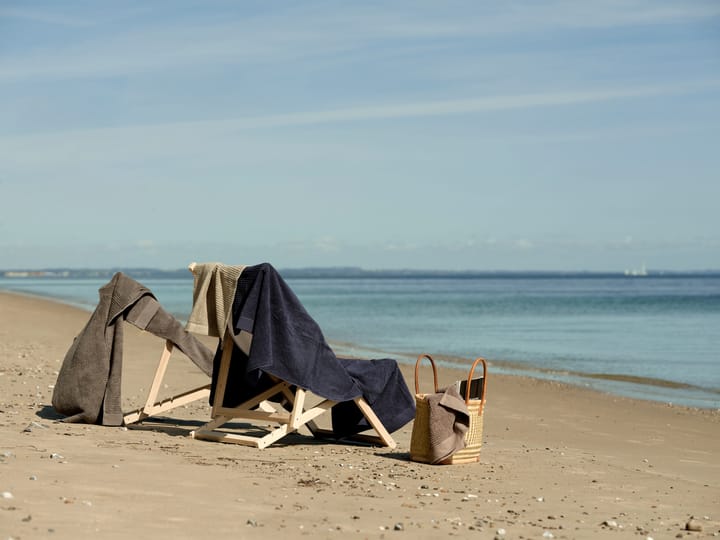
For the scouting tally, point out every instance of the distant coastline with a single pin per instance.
(349, 273)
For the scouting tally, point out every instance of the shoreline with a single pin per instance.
(556, 460)
(625, 385)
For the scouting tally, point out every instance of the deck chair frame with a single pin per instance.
(283, 421)
(154, 407)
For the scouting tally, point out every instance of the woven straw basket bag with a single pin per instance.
(420, 440)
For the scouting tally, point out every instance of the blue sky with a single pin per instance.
(545, 135)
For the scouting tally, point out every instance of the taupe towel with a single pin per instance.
(449, 421)
(88, 384)
(213, 294)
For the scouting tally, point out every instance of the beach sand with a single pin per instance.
(557, 462)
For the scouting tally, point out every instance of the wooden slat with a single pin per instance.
(223, 372)
(167, 404)
(152, 406)
(375, 422)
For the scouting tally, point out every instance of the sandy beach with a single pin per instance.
(557, 462)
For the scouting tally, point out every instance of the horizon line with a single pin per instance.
(339, 270)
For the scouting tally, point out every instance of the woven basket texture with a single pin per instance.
(420, 439)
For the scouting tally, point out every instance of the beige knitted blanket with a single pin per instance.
(213, 294)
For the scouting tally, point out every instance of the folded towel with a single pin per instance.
(213, 293)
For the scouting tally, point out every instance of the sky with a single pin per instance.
(449, 135)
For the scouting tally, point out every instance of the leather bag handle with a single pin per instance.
(435, 375)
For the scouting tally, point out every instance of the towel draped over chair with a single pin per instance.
(286, 343)
(88, 384)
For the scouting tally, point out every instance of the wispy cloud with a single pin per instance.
(475, 105)
(613, 13)
(189, 133)
(310, 31)
(81, 153)
(43, 16)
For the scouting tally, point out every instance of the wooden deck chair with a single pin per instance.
(89, 384)
(297, 396)
(282, 419)
(153, 406)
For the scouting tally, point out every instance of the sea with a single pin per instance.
(648, 337)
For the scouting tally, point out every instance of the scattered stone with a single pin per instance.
(399, 527)
(33, 426)
(7, 495)
(33, 477)
(548, 534)
(26, 519)
(693, 525)
(610, 523)
(251, 523)
(501, 532)
(56, 456)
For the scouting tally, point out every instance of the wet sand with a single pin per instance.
(557, 462)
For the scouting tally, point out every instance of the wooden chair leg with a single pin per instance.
(383, 434)
(223, 370)
(152, 406)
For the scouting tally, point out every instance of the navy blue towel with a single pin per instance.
(288, 344)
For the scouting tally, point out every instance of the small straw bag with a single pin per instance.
(420, 440)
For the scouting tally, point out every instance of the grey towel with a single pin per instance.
(449, 421)
(88, 385)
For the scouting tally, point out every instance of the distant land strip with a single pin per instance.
(344, 272)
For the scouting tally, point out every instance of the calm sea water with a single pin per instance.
(655, 338)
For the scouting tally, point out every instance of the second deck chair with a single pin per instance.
(89, 382)
(273, 359)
